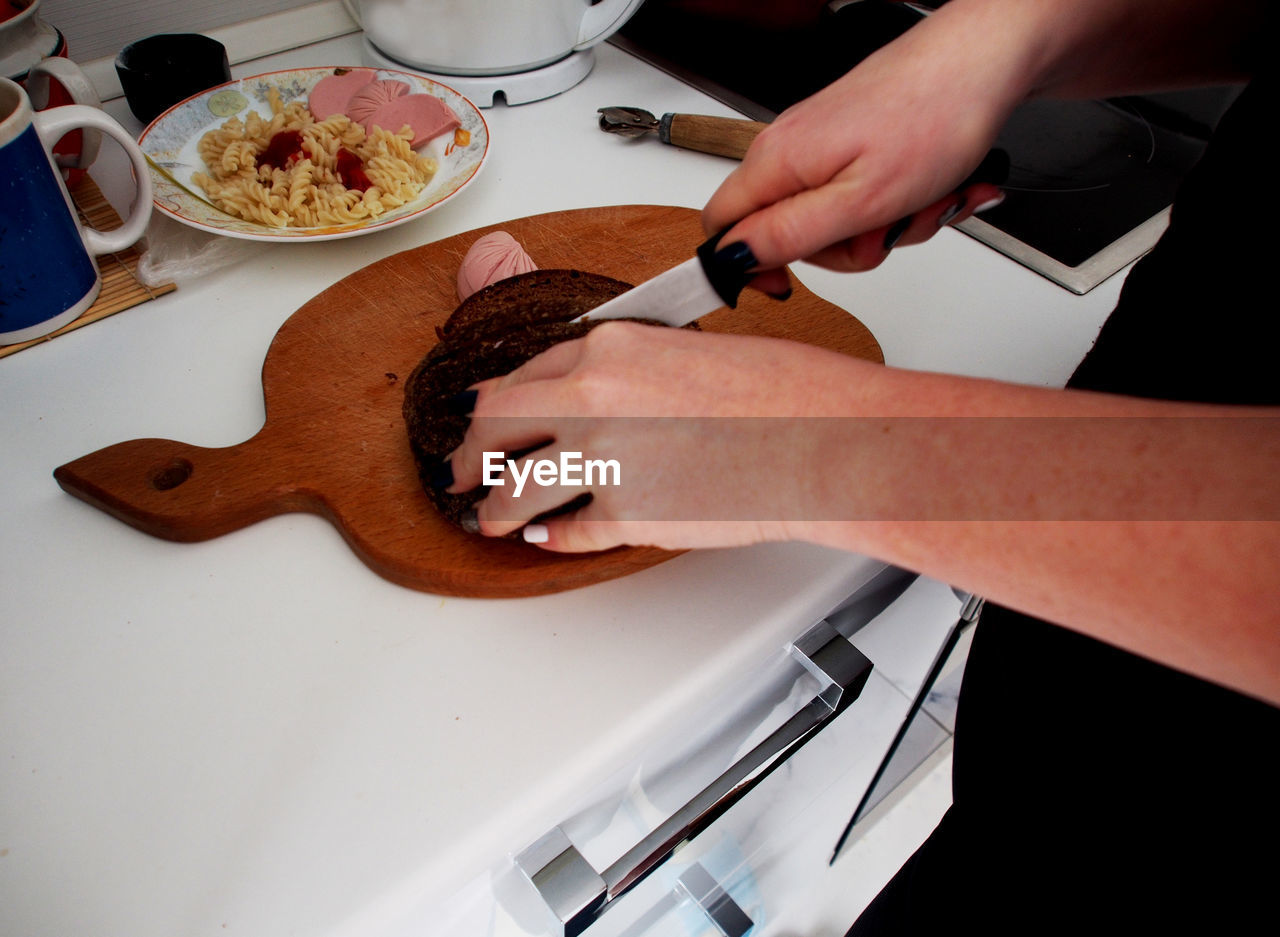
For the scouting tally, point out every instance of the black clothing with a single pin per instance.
(1094, 790)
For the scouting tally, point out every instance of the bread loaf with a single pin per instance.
(491, 333)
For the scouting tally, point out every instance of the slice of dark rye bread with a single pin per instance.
(491, 333)
(528, 299)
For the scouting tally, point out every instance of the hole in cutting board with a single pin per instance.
(170, 476)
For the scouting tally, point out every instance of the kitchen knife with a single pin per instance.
(711, 279)
(703, 283)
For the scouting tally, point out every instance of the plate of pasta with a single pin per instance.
(260, 159)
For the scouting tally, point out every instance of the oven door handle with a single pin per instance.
(576, 894)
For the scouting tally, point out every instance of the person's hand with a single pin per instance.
(874, 160)
(694, 421)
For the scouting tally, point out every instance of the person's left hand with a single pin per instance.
(692, 420)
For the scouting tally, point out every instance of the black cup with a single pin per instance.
(159, 71)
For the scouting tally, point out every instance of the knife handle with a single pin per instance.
(720, 136)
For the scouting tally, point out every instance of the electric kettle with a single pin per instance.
(488, 37)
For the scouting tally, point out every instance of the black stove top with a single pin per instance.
(1091, 180)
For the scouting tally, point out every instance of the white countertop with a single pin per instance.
(168, 707)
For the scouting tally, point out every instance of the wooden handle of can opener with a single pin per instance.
(720, 136)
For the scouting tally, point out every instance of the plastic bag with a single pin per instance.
(178, 253)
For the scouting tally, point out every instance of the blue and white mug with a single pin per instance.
(48, 274)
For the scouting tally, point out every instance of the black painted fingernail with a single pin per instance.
(470, 521)
(462, 402)
(899, 228)
(947, 216)
(738, 255)
(442, 474)
(782, 296)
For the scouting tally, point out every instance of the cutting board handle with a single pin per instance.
(182, 492)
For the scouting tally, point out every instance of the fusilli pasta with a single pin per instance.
(309, 190)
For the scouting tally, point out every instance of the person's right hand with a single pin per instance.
(873, 161)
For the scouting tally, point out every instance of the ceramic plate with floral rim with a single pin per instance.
(171, 140)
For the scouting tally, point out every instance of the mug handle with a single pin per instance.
(51, 125)
(77, 84)
(602, 20)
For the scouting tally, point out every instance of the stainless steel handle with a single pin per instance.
(577, 894)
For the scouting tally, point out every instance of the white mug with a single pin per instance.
(25, 39)
(48, 274)
(53, 82)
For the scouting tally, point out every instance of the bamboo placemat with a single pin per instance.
(121, 287)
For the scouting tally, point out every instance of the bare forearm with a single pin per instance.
(1152, 526)
(1197, 596)
(1091, 48)
(897, 134)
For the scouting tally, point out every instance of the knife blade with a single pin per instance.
(703, 283)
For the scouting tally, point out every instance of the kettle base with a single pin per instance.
(485, 90)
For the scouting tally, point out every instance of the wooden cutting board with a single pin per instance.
(334, 442)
